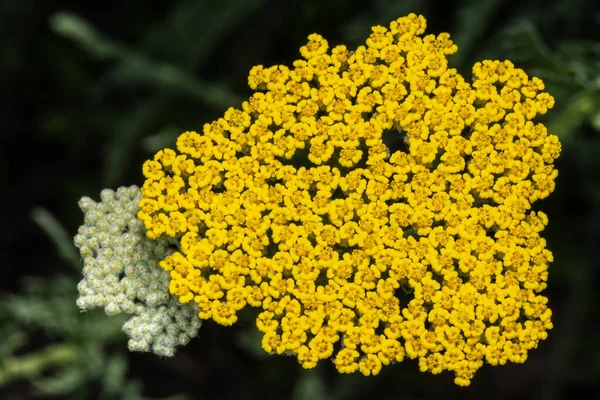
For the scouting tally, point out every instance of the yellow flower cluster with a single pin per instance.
(355, 179)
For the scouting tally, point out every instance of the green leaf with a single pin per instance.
(164, 138)
(384, 11)
(51, 307)
(12, 339)
(198, 28)
(596, 121)
(310, 386)
(83, 33)
(523, 40)
(135, 67)
(61, 383)
(579, 109)
(126, 136)
(59, 235)
(132, 391)
(113, 381)
(33, 364)
(97, 326)
(473, 19)
(250, 340)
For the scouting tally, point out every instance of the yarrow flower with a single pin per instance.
(354, 179)
(121, 274)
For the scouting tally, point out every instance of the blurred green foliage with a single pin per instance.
(93, 91)
(78, 352)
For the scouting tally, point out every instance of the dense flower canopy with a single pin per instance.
(371, 204)
(121, 274)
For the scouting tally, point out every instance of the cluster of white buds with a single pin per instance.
(121, 274)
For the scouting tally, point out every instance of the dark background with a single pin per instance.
(88, 90)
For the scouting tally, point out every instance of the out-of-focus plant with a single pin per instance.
(82, 351)
(98, 113)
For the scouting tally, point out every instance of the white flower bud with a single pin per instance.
(138, 345)
(83, 303)
(98, 300)
(122, 274)
(162, 350)
(79, 240)
(112, 309)
(183, 339)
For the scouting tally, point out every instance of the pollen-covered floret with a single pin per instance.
(354, 179)
(121, 274)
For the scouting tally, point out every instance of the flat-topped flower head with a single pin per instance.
(356, 178)
(121, 274)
